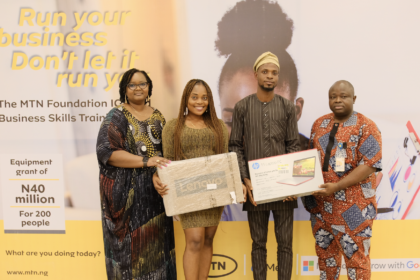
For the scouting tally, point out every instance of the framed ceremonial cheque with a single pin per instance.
(295, 174)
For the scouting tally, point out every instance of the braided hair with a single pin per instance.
(210, 119)
(125, 80)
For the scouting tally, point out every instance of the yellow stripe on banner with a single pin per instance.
(33, 179)
(391, 240)
(79, 254)
(34, 206)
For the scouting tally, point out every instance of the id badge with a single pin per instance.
(339, 164)
(340, 158)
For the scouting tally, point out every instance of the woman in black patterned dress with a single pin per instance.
(138, 236)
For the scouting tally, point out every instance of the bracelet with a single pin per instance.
(145, 160)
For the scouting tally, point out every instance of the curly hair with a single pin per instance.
(125, 80)
(251, 28)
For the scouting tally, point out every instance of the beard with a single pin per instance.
(267, 88)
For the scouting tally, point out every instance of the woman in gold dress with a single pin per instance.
(197, 132)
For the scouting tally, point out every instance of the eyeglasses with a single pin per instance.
(134, 86)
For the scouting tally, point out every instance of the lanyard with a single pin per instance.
(331, 140)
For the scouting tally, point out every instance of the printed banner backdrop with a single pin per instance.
(62, 61)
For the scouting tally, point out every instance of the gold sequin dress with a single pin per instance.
(195, 143)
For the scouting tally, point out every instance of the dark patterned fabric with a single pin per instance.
(138, 236)
(348, 213)
(263, 129)
(353, 217)
(283, 230)
(323, 238)
(266, 132)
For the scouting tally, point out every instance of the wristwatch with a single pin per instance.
(145, 160)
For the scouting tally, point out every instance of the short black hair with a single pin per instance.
(125, 80)
(251, 28)
(342, 82)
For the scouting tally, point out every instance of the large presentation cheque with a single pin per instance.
(275, 178)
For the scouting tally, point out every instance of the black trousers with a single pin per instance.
(283, 227)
